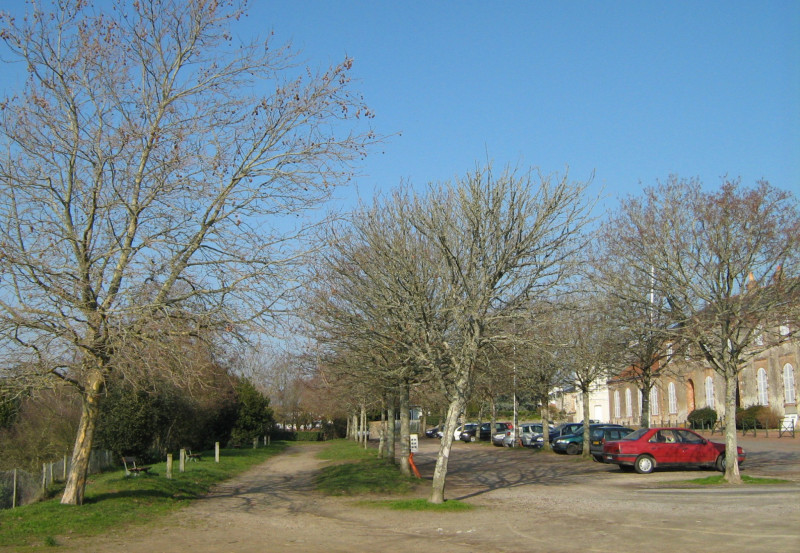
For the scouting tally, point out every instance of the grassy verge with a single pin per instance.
(360, 472)
(720, 479)
(113, 500)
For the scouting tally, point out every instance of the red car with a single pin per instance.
(648, 448)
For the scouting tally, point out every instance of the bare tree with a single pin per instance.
(642, 343)
(153, 165)
(585, 349)
(432, 277)
(723, 265)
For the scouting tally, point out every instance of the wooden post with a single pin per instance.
(44, 476)
(65, 468)
(14, 492)
(169, 466)
(182, 462)
(255, 443)
(216, 452)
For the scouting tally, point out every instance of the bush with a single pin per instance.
(702, 418)
(757, 416)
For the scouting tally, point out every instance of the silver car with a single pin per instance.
(530, 434)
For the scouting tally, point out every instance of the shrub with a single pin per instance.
(757, 416)
(702, 418)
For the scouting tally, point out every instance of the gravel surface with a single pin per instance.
(525, 501)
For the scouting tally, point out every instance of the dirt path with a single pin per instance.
(525, 502)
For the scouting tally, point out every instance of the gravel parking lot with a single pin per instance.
(525, 502)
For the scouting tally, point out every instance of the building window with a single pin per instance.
(616, 404)
(628, 403)
(673, 399)
(761, 382)
(788, 384)
(710, 392)
(654, 401)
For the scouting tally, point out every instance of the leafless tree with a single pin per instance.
(723, 265)
(433, 276)
(642, 344)
(153, 167)
(585, 349)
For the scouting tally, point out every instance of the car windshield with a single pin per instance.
(636, 434)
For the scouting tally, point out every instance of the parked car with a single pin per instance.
(564, 429)
(605, 434)
(529, 433)
(484, 432)
(649, 448)
(463, 428)
(435, 432)
(572, 444)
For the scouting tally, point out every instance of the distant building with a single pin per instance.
(769, 379)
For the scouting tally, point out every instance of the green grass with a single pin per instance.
(451, 505)
(720, 479)
(345, 450)
(113, 500)
(358, 471)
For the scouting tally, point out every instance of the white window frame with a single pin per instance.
(709, 389)
(789, 390)
(762, 384)
(617, 408)
(673, 399)
(654, 408)
(628, 403)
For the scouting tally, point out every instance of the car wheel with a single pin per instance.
(644, 464)
(573, 449)
(720, 464)
(472, 438)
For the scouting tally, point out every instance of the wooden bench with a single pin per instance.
(193, 456)
(131, 468)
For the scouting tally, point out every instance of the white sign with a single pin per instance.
(414, 443)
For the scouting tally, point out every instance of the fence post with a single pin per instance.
(14, 491)
(65, 467)
(44, 476)
(216, 452)
(169, 466)
(182, 461)
(255, 443)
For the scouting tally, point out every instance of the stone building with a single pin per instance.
(769, 379)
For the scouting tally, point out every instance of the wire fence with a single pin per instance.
(19, 487)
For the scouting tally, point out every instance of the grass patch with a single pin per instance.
(363, 477)
(451, 505)
(720, 479)
(113, 500)
(345, 450)
(359, 471)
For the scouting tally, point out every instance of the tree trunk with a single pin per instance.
(587, 423)
(390, 437)
(81, 453)
(644, 416)
(440, 472)
(546, 425)
(405, 430)
(382, 442)
(732, 475)
(364, 440)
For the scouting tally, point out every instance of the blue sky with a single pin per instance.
(632, 91)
